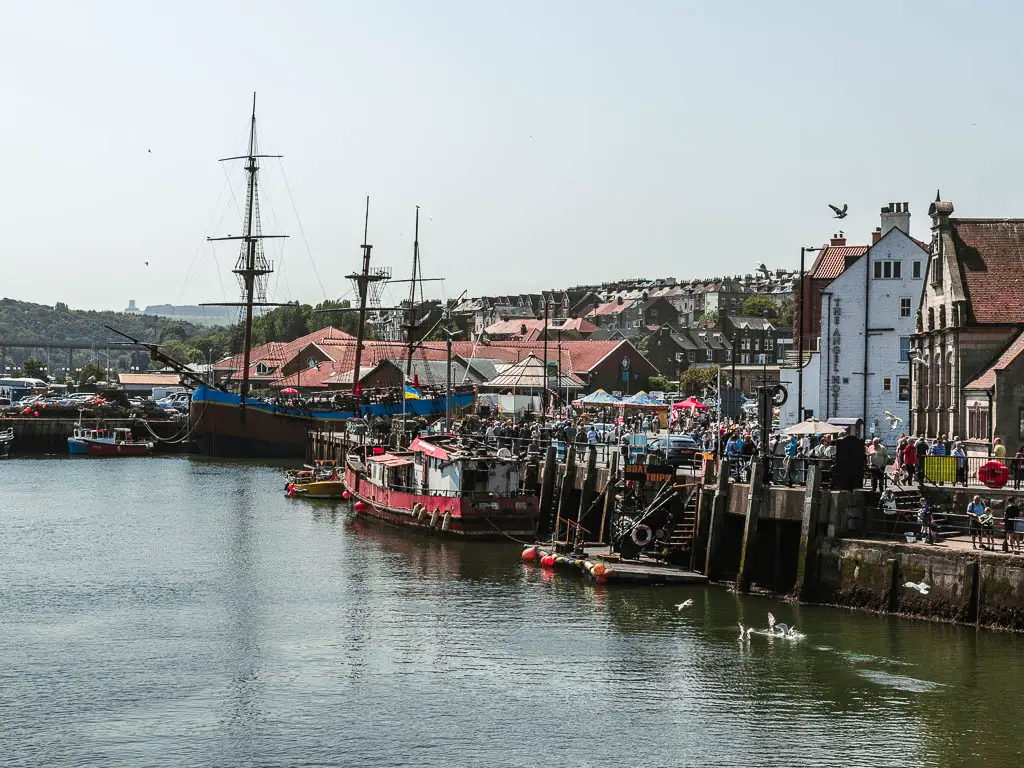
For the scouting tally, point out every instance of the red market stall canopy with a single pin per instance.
(690, 403)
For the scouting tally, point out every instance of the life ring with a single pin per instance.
(642, 535)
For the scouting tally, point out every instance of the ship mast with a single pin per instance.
(412, 292)
(362, 281)
(252, 266)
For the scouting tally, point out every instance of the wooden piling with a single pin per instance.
(609, 496)
(808, 533)
(589, 485)
(750, 526)
(719, 508)
(547, 490)
(705, 501)
(565, 492)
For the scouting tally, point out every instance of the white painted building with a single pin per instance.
(868, 315)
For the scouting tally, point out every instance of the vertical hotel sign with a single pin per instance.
(836, 350)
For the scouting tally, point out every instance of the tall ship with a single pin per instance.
(231, 422)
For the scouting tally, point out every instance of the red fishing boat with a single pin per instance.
(444, 486)
(114, 442)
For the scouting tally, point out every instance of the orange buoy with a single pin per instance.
(598, 569)
(530, 553)
(359, 506)
(548, 561)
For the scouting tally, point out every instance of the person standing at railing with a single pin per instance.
(961, 464)
(921, 450)
(1017, 468)
(733, 452)
(998, 449)
(789, 462)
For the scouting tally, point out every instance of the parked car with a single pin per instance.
(675, 450)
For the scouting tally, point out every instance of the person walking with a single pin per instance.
(975, 511)
(909, 459)
(1011, 519)
(1011, 512)
(878, 461)
(1018, 468)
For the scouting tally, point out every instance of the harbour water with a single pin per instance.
(183, 612)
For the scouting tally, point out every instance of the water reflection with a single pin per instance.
(239, 627)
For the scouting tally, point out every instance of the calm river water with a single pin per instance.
(182, 612)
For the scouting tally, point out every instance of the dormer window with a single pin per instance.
(262, 369)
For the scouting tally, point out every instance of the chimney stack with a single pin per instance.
(838, 239)
(896, 216)
(876, 235)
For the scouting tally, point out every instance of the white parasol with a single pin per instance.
(813, 426)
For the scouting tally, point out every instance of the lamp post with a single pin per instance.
(800, 333)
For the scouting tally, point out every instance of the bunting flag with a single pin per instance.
(411, 393)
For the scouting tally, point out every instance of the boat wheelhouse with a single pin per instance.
(445, 486)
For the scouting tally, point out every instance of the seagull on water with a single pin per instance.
(688, 603)
(745, 633)
(923, 588)
(777, 628)
(840, 212)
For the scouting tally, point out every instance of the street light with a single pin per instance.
(803, 321)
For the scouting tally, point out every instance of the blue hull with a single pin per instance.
(220, 427)
(76, 447)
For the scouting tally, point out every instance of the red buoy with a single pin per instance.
(994, 474)
(346, 495)
(359, 506)
(530, 554)
(548, 561)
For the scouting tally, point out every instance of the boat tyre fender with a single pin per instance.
(417, 511)
(433, 518)
(447, 522)
(642, 535)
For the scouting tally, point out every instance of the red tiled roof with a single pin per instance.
(987, 379)
(577, 357)
(610, 308)
(832, 261)
(276, 353)
(991, 256)
(514, 326)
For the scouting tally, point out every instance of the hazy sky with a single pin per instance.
(548, 143)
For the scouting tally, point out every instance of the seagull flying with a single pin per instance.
(893, 419)
(147, 263)
(688, 603)
(840, 212)
(923, 588)
(745, 633)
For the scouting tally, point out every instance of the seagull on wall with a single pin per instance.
(840, 212)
